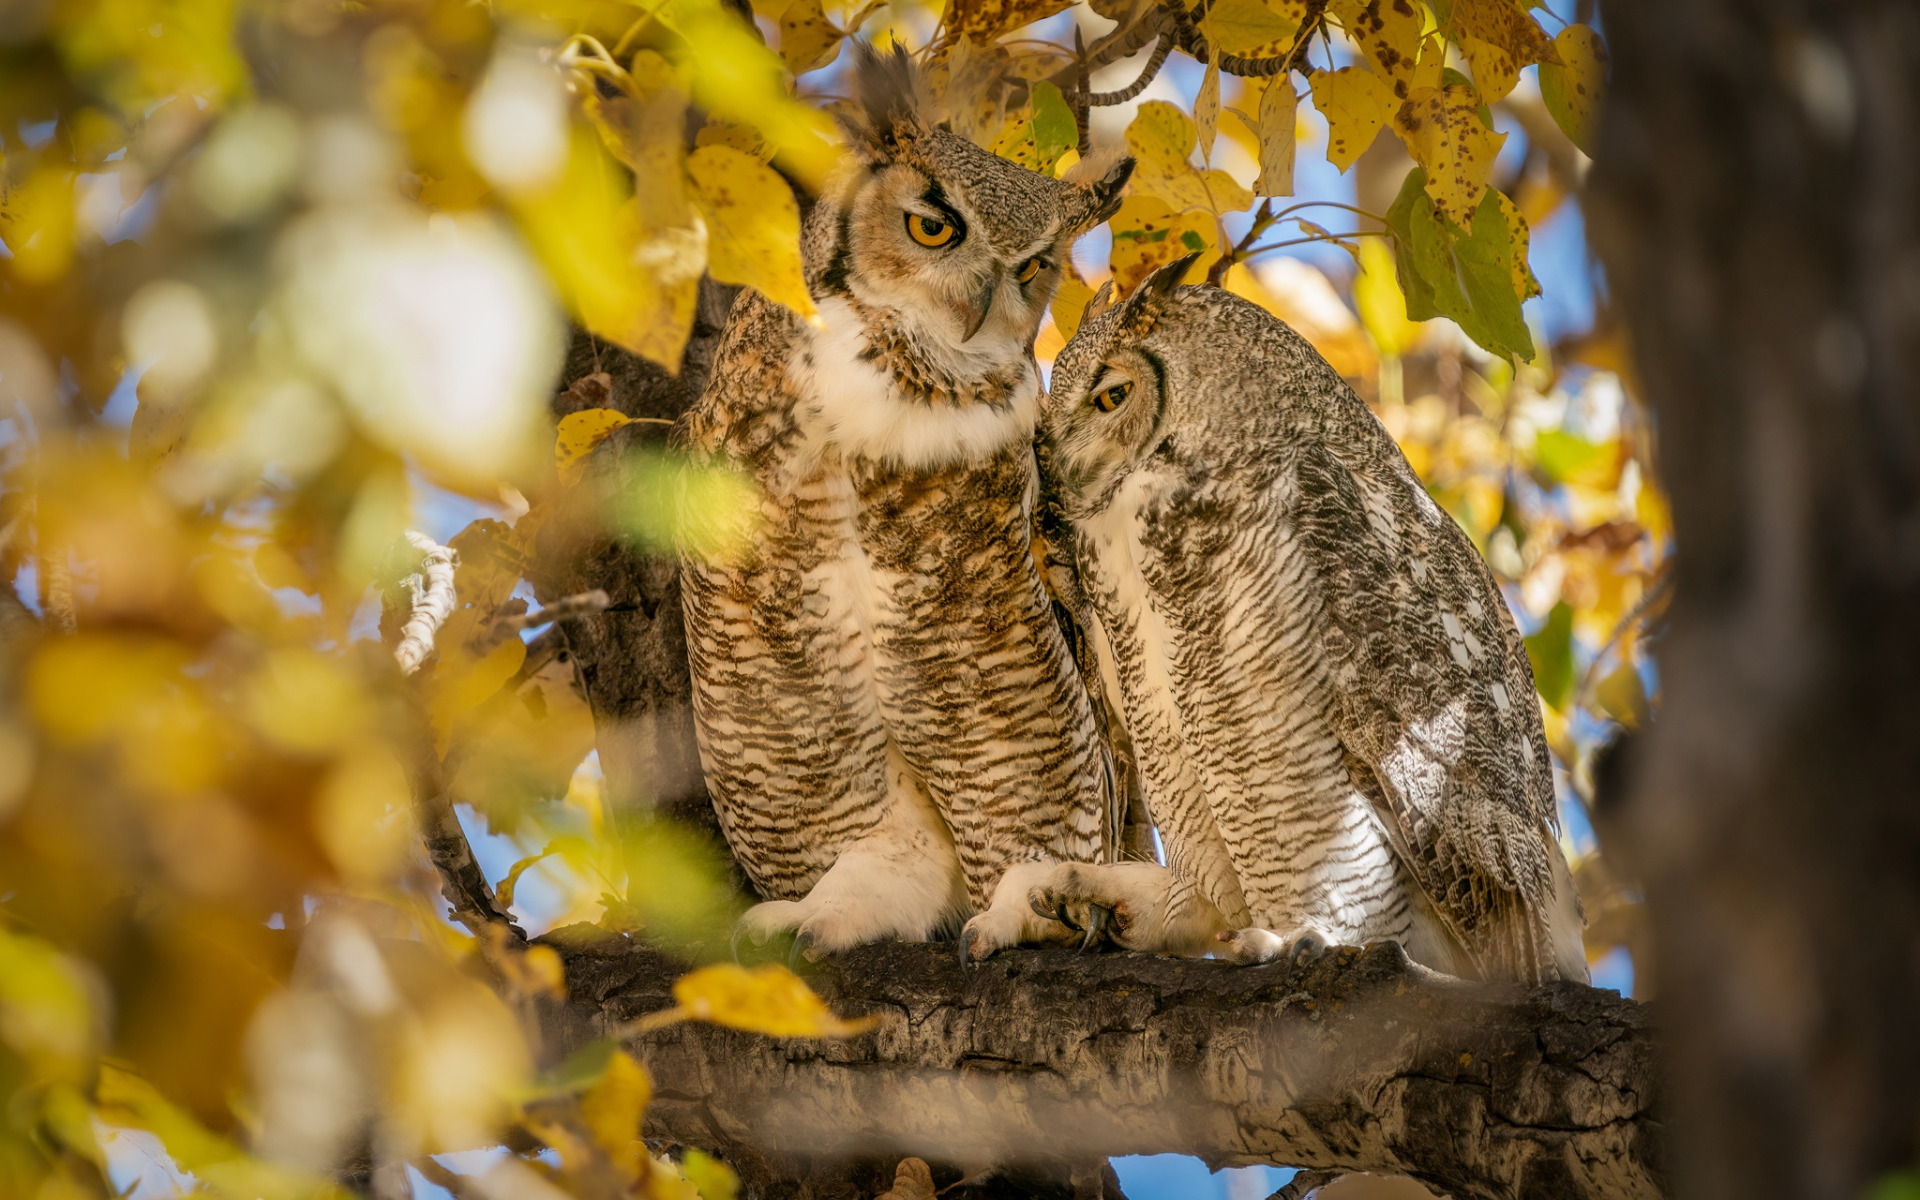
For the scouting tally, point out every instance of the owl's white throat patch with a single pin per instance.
(858, 408)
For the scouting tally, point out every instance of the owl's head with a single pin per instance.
(1172, 374)
(962, 246)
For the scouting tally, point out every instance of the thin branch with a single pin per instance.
(566, 608)
(56, 589)
(1303, 1185)
(1264, 219)
(432, 601)
(1161, 49)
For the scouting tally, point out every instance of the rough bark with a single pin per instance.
(1756, 200)
(1041, 1058)
(631, 658)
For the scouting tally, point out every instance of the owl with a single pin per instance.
(1330, 702)
(894, 731)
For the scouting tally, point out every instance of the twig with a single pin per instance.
(566, 608)
(462, 881)
(1162, 48)
(432, 602)
(1264, 219)
(56, 589)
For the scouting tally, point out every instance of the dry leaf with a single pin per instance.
(1388, 35)
(1148, 233)
(1206, 110)
(985, 20)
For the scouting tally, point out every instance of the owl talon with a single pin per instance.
(802, 949)
(1099, 917)
(1061, 915)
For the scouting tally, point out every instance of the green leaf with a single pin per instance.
(1467, 276)
(1054, 131)
(1551, 652)
(1565, 457)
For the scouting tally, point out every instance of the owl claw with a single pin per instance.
(1099, 917)
(802, 948)
(733, 943)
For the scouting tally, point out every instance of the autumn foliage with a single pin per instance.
(282, 276)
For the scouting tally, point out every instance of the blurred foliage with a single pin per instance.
(277, 272)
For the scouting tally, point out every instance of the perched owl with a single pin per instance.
(888, 712)
(1330, 703)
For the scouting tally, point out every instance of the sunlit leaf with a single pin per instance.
(579, 433)
(1525, 284)
(1279, 106)
(808, 41)
(1382, 306)
(1467, 275)
(768, 999)
(1575, 88)
(1356, 103)
(612, 1109)
(1622, 695)
(1499, 39)
(37, 224)
(1162, 139)
(1388, 34)
(1443, 131)
(985, 20)
(1246, 26)
(1041, 141)
(1070, 303)
(753, 223)
(1147, 234)
(1206, 110)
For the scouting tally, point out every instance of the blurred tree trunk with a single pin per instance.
(1756, 200)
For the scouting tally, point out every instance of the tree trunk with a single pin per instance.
(1755, 200)
(1040, 1059)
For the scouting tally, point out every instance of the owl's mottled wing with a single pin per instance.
(1053, 553)
(1435, 700)
(792, 739)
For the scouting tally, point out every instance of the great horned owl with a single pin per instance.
(888, 714)
(1332, 707)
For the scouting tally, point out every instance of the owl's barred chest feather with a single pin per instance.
(896, 616)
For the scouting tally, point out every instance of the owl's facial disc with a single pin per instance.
(927, 249)
(1102, 419)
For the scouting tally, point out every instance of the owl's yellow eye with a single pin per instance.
(930, 231)
(1028, 270)
(1108, 399)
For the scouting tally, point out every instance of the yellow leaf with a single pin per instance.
(1279, 105)
(1356, 104)
(612, 1109)
(1248, 27)
(753, 225)
(579, 433)
(1500, 27)
(503, 891)
(1388, 34)
(1444, 133)
(1383, 309)
(1206, 110)
(1575, 87)
(1161, 138)
(808, 41)
(768, 999)
(1621, 694)
(1494, 71)
(633, 285)
(1070, 304)
(37, 224)
(1525, 285)
(713, 1179)
(463, 682)
(984, 20)
(1148, 233)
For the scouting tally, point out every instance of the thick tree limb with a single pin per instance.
(1362, 1062)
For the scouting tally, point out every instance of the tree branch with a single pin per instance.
(1362, 1062)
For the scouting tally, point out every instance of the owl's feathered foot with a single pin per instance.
(1009, 920)
(1251, 946)
(1134, 906)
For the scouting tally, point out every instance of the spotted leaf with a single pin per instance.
(1574, 88)
(1356, 103)
(1443, 130)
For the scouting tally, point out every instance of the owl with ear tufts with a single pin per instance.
(1332, 707)
(893, 728)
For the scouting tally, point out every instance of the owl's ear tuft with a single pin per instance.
(885, 113)
(1095, 184)
(1101, 302)
(1142, 310)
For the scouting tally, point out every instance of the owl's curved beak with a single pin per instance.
(982, 305)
